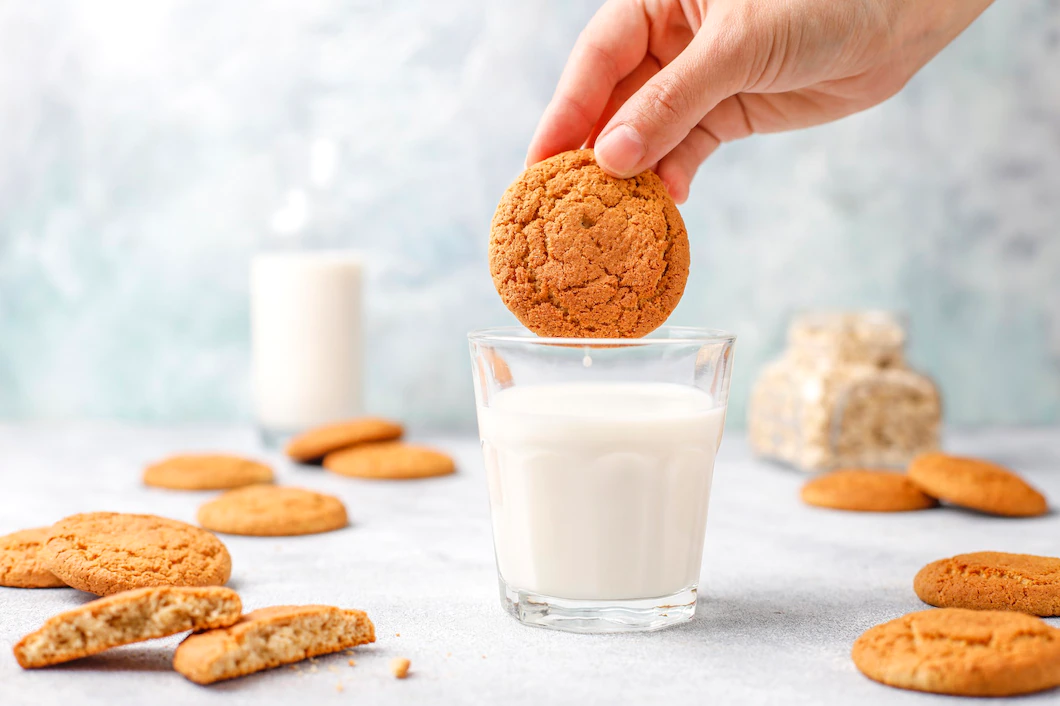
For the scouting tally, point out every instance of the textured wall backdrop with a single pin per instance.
(147, 149)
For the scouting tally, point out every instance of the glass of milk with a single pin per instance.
(306, 340)
(599, 456)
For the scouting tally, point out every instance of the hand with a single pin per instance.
(659, 84)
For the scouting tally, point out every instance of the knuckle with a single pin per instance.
(669, 101)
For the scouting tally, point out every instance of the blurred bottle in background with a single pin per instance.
(307, 347)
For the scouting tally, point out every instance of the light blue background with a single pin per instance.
(148, 149)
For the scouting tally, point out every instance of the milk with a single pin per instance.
(599, 491)
(306, 339)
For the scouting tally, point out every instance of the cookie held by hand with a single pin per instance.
(575, 252)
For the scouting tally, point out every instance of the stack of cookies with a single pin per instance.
(963, 482)
(985, 638)
(368, 448)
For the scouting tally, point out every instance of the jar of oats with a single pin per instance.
(842, 395)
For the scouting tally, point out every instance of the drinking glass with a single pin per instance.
(599, 455)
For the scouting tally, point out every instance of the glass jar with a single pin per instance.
(842, 395)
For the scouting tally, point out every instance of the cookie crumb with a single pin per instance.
(397, 634)
(332, 668)
(339, 687)
(400, 667)
(352, 663)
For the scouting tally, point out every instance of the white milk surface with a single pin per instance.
(599, 491)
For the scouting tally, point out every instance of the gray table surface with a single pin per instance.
(785, 588)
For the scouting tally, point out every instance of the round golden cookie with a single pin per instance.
(392, 460)
(864, 490)
(273, 511)
(992, 581)
(575, 252)
(108, 552)
(962, 653)
(206, 472)
(979, 485)
(21, 565)
(319, 442)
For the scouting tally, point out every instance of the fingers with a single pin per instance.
(623, 92)
(610, 47)
(728, 121)
(677, 168)
(663, 112)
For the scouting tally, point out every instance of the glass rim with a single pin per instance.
(679, 335)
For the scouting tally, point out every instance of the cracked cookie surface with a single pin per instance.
(108, 552)
(992, 581)
(21, 565)
(962, 652)
(575, 252)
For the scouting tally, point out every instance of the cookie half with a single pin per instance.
(268, 638)
(206, 472)
(575, 252)
(863, 490)
(975, 484)
(109, 552)
(391, 461)
(962, 652)
(317, 443)
(992, 581)
(21, 565)
(273, 511)
(124, 618)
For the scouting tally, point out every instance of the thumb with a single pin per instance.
(662, 113)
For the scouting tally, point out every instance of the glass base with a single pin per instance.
(595, 617)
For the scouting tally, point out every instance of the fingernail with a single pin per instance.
(620, 151)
